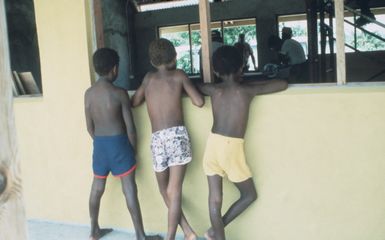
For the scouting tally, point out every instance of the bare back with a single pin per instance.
(231, 102)
(230, 106)
(163, 93)
(105, 109)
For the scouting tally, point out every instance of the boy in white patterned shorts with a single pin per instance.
(170, 142)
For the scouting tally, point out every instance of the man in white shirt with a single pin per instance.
(294, 56)
(246, 52)
(291, 49)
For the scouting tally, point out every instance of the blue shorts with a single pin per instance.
(113, 153)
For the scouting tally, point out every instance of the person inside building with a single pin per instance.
(246, 52)
(293, 55)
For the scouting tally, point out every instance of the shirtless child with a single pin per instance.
(224, 154)
(110, 124)
(170, 142)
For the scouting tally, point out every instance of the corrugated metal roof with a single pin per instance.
(159, 5)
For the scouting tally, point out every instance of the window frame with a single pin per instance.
(213, 22)
(302, 16)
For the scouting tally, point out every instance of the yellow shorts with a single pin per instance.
(225, 156)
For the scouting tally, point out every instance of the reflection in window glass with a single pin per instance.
(298, 26)
(231, 31)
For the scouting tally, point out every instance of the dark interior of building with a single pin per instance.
(129, 29)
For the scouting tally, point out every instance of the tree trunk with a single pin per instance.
(12, 215)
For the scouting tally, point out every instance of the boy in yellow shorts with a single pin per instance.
(224, 154)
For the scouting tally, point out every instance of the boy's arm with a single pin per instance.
(206, 88)
(138, 97)
(196, 98)
(264, 87)
(89, 121)
(128, 119)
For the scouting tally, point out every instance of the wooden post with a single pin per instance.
(311, 14)
(12, 215)
(323, 32)
(205, 24)
(340, 40)
(99, 27)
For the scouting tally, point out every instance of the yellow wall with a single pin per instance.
(317, 153)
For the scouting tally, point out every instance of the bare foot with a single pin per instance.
(191, 236)
(154, 237)
(209, 235)
(99, 233)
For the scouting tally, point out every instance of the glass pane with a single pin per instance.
(196, 44)
(180, 37)
(367, 42)
(231, 31)
(299, 29)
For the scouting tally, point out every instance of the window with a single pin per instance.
(231, 31)
(363, 41)
(298, 25)
(187, 40)
(360, 67)
(23, 46)
(355, 38)
(180, 37)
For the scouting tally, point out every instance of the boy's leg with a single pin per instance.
(248, 196)
(97, 190)
(217, 230)
(131, 194)
(165, 184)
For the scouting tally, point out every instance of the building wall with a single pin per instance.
(316, 152)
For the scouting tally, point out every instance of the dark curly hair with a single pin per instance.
(161, 51)
(227, 60)
(104, 60)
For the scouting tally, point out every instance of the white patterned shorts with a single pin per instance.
(170, 147)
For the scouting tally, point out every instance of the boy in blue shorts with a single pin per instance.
(224, 154)
(110, 124)
(170, 142)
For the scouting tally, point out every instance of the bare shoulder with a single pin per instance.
(88, 92)
(121, 92)
(147, 78)
(179, 74)
(149, 75)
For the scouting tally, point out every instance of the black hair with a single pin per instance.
(105, 59)
(227, 60)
